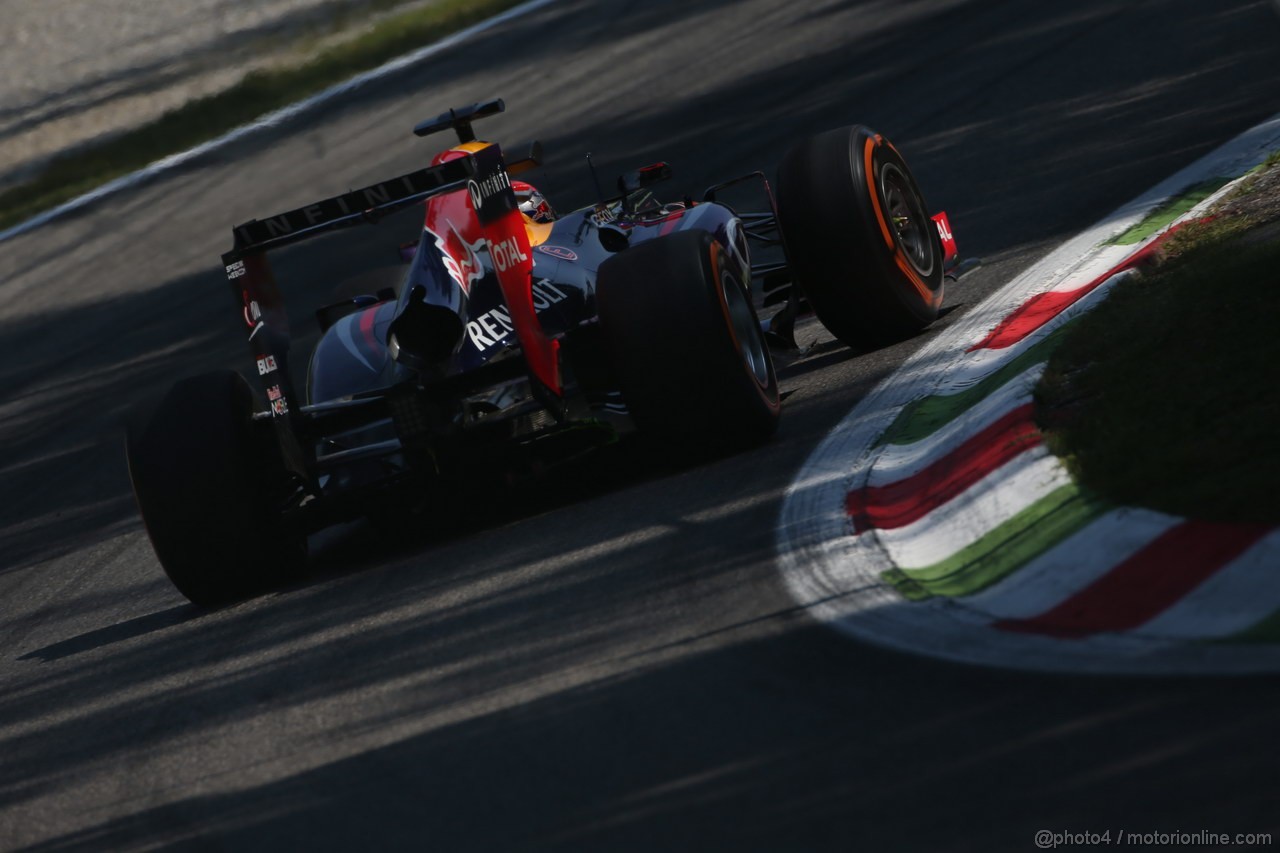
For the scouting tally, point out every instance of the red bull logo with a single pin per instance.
(460, 258)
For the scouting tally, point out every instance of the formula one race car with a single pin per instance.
(514, 333)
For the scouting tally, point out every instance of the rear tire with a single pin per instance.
(685, 344)
(860, 243)
(208, 481)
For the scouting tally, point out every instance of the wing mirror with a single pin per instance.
(530, 161)
(645, 176)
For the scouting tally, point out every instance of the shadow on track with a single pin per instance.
(613, 673)
(1007, 180)
(431, 774)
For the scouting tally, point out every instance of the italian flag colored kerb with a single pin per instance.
(970, 506)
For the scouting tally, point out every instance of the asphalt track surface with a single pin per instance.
(610, 664)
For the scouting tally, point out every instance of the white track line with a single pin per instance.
(270, 120)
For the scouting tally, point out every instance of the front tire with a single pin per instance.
(685, 344)
(859, 240)
(208, 481)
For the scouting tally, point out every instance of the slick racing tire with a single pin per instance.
(685, 345)
(207, 480)
(860, 243)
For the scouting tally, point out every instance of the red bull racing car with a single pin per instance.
(514, 332)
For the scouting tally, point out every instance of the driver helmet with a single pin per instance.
(533, 204)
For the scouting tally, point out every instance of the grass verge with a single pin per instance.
(258, 93)
(1166, 395)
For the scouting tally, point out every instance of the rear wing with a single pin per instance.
(351, 208)
(257, 296)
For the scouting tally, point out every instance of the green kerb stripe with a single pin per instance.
(1166, 213)
(921, 418)
(1002, 551)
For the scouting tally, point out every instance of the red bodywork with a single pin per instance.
(452, 219)
(950, 252)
